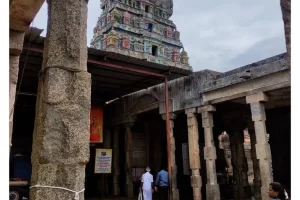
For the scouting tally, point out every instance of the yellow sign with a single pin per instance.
(103, 161)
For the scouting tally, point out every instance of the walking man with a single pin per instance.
(147, 184)
(161, 184)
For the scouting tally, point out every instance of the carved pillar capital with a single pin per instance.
(129, 119)
(255, 98)
(128, 124)
(172, 116)
(191, 112)
(209, 108)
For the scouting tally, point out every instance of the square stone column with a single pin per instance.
(16, 39)
(212, 187)
(194, 152)
(173, 179)
(116, 169)
(255, 161)
(286, 16)
(234, 125)
(263, 150)
(61, 136)
(128, 165)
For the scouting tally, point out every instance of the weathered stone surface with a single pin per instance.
(196, 181)
(234, 126)
(13, 78)
(206, 86)
(224, 143)
(210, 153)
(259, 97)
(212, 187)
(194, 152)
(263, 151)
(61, 134)
(257, 112)
(212, 192)
(257, 69)
(273, 81)
(173, 185)
(255, 161)
(116, 170)
(15, 46)
(175, 194)
(205, 109)
(16, 39)
(193, 139)
(22, 13)
(128, 166)
(262, 147)
(286, 16)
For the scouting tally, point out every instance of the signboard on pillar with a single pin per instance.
(96, 124)
(103, 161)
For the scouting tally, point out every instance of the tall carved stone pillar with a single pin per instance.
(256, 180)
(60, 147)
(173, 179)
(116, 170)
(235, 126)
(16, 39)
(194, 152)
(286, 16)
(263, 150)
(212, 187)
(128, 149)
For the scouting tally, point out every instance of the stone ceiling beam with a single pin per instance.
(22, 13)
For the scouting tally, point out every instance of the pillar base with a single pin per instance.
(175, 194)
(197, 194)
(116, 190)
(264, 193)
(196, 183)
(212, 192)
(256, 188)
(129, 188)
(242, 192)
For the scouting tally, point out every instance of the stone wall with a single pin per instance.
(186, 92)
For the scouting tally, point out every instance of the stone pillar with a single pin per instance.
(224, 143)
(146, 129)
(194, 152)
(61, 137)
(128, 167)
(212, 187)
(263, 151)
(16, 39)
(116, 170)
(173, 179)
(234, 125)
(106, 177)
(256, 171)
(286, 16)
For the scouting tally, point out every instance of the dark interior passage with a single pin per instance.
(279, 127)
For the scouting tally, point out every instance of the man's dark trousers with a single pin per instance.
(163, 193)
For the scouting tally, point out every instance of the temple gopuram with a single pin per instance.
(140, 29)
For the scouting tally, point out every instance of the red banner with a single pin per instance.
(96, 125)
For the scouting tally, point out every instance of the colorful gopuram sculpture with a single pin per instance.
(141, 29)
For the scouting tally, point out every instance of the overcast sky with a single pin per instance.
(218, 35)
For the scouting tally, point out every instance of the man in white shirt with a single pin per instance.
(147, 184)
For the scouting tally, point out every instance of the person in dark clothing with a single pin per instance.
(161, 184)
(277, 192)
